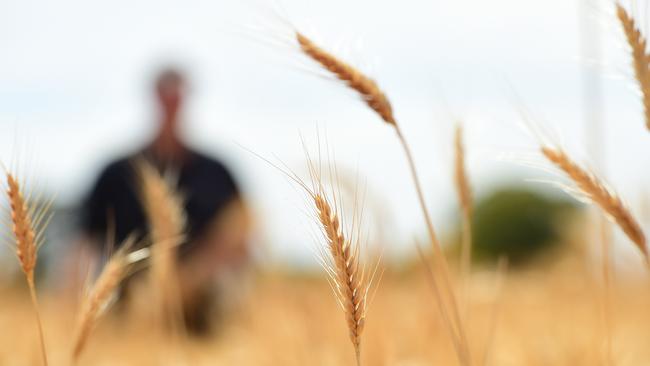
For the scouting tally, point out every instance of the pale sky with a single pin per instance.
(75, 78)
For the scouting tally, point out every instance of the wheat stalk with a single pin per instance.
(350, 285)
(596, 191)
(461, 180)
(98, 298)
(376, 99)
(640, 56)
(165, 212)
(340, 257)
(464, 193)
(24, 221)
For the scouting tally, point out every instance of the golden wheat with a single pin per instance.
(163, 206)
(165, 212)
(24, 220)
(596, 191)
(26, 248)
(98, 297)
(376, 99)
(349, 282)
(640, 57)
(368, 88)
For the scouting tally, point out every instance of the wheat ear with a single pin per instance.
(24, 220)
(640, 57)
(376, 99)
(165, 212)
(365, 86)
(350, 286)
(596, 191)
(96, 302)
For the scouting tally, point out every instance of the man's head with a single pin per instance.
(170, 90)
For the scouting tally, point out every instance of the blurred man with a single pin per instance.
(215, 233)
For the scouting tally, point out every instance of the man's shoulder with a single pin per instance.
(117, 168)
(209, 163)
(213, 170)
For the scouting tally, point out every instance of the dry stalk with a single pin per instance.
(596, 191)
(502, 268)
(376, 99)
(606, 300)
(464, 193)
(165, 212)
(640, 57)
(24, 221)
(439, 297)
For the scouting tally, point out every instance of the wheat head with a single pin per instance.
(349, 282)
(165, 212)
(98, 298)
(365, 86)
(163, 207)
(640, 56)
(598, 193)
(26, 247)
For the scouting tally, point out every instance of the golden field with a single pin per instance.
(567, 308)
(548, 315)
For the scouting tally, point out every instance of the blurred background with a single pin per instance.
(81, 86)
(76, 78)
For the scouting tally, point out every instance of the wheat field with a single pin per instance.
(541, 317)
(573, 307)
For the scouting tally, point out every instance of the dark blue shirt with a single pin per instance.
(205, 184)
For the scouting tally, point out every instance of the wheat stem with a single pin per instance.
(464, 356)
(464, 193)
(502, 267)
(607, 287)
(32, 294)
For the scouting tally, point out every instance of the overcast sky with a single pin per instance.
(75, 93)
